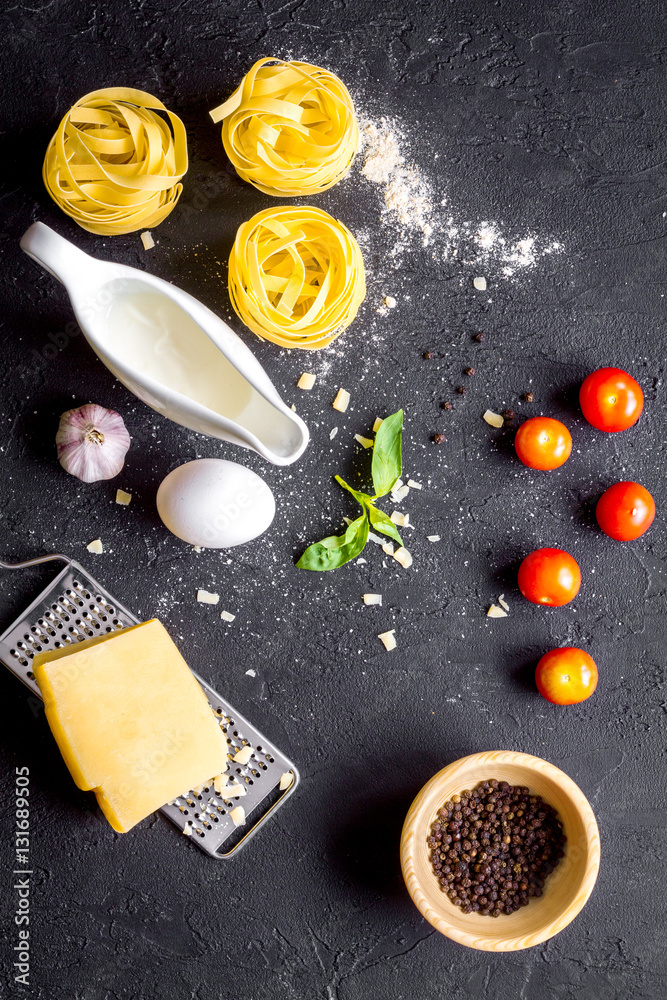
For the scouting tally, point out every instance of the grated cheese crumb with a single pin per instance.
(372, 537)
(204, 597)
(503, 603)
(496, 612)
(198, 548)
(390, 301)
(251, 673)
(243, 755)
(187, 829)
(237, 816)
(377, 425)
(403, 557)
(400, 494)
(219, 782)
(403, 520)
(293, 407)
(233, 792)
(227, 616)
(480, 284)
(369, 599)
(332, 433)
(433, 538)
(147, 240)
(388, 548)
(495, 419)
(364, 442)
(307, 381)
(388, 639)
(413, 485)
(342, 401)
(95, 546)
(286, 780)
(123, 498)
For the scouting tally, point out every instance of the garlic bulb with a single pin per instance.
(92, 443)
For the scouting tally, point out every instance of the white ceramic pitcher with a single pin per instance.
(171, 351)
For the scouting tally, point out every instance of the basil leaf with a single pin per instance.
(362, 498)
(381, 522)
(336, 550)
(387, 461)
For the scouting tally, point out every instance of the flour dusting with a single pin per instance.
(407, 195)
(413, 209)
(512, 255)
(382, 153)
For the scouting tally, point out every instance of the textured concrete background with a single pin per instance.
(548, 118)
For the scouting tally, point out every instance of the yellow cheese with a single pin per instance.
(131, 720)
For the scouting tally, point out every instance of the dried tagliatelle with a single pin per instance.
(115, 165)
(289, 128)
(296, 276)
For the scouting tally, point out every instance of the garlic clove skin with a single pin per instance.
(92, 443)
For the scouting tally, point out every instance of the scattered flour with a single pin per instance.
(513, 255)
(412, 209)
(382, 154)
(407, 195)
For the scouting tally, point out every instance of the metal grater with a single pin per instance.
(75, 607)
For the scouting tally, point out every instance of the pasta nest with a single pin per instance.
(296, 276)
(114, 164)
(289, 128)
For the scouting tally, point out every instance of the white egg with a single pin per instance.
(215, 503)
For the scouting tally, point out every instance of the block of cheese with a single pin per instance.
(131, 720)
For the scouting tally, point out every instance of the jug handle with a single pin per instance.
(54, 253)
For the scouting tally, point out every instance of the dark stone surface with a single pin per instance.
(550, 119)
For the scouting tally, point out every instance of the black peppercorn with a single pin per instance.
(461, 390)
(528, 396)
(428, 355)
(498, 864)
(508, 414)
(470, 371)
(479, 337)
(439, 438)
(446, 405)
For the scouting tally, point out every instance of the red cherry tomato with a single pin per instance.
(611, 400)
(566, 676)
(549, 576)
(625, 511)
(543, 443)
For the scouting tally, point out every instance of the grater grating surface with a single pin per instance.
(75, 607)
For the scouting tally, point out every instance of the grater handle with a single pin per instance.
(224, 856)
(35, 562)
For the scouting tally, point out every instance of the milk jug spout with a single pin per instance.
(57, 255)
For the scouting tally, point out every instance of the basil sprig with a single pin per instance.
(336, 550)
(387, 459)
(386, 468)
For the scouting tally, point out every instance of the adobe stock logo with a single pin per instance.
(234, 509)
(59, 340)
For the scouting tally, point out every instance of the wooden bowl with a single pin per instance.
(566, 889)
